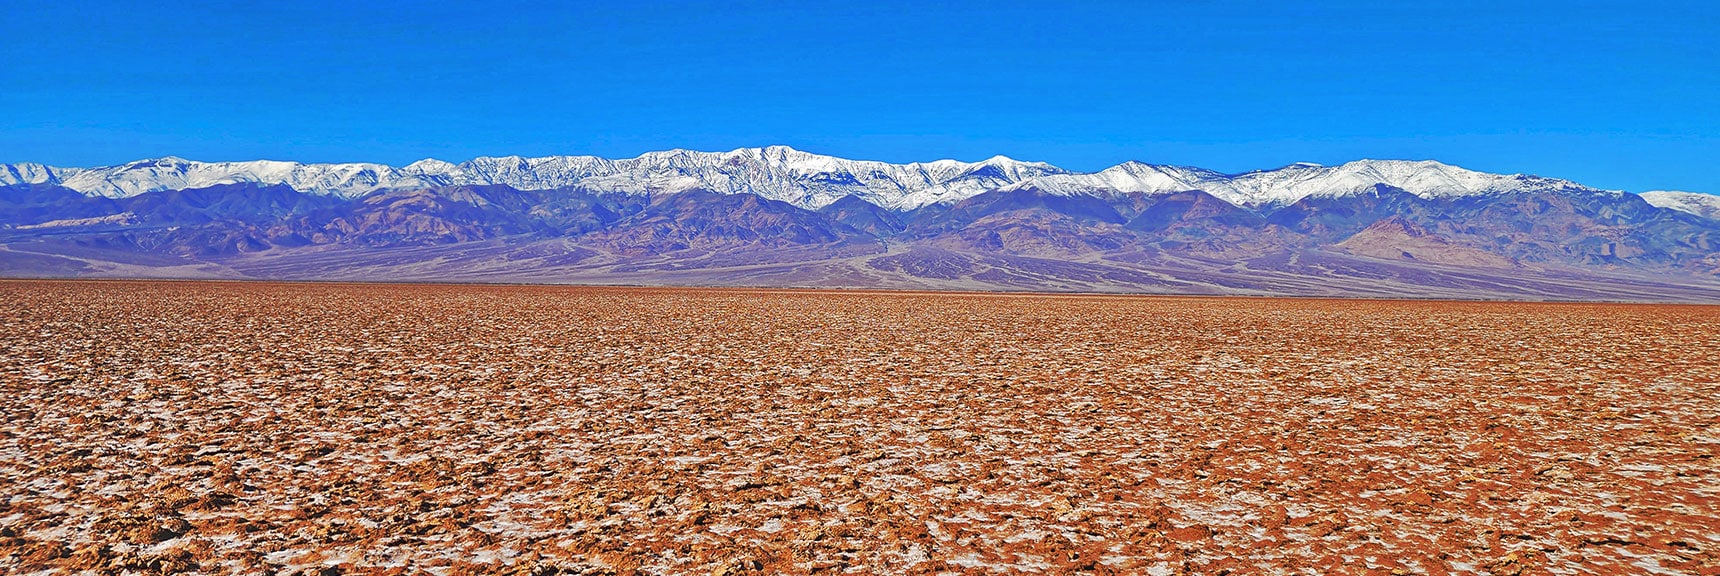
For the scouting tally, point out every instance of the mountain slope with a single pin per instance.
(1396, 238)
(1704, 205)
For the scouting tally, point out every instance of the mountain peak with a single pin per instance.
(1396, 163)
(161, 161)
(1137, 166)
(1001, 160)
(431, 165)
(1697, 203)
(776, 149)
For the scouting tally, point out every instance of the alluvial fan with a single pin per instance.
(323, 428)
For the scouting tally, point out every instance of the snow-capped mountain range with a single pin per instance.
(776, 172)
(811, 180)
(1265, 188)
(1368, 227)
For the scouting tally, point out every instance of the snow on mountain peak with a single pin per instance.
(431, 166)
(1700, 204)
(802, 178)
(33, 173)
(1127, 178)
(1424, 178)
(1283, 186)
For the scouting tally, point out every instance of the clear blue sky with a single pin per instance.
(1618, 94)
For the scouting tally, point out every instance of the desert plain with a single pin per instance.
(275, 428)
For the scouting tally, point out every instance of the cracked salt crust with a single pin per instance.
(249, 427)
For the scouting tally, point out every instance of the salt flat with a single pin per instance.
(356, 428)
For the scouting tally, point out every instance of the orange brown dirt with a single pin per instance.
(318, 428)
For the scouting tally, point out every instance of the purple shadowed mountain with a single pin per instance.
(777, 216)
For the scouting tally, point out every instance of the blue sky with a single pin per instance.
(1611, 94)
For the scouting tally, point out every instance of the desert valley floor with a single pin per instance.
(326, 428)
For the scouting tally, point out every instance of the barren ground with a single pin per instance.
(258, 428)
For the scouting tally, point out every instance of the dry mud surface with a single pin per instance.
(257, 428)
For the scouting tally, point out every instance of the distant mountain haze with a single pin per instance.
(777, 216)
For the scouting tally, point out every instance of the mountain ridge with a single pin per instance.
(1697, 203)
(804, 179)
